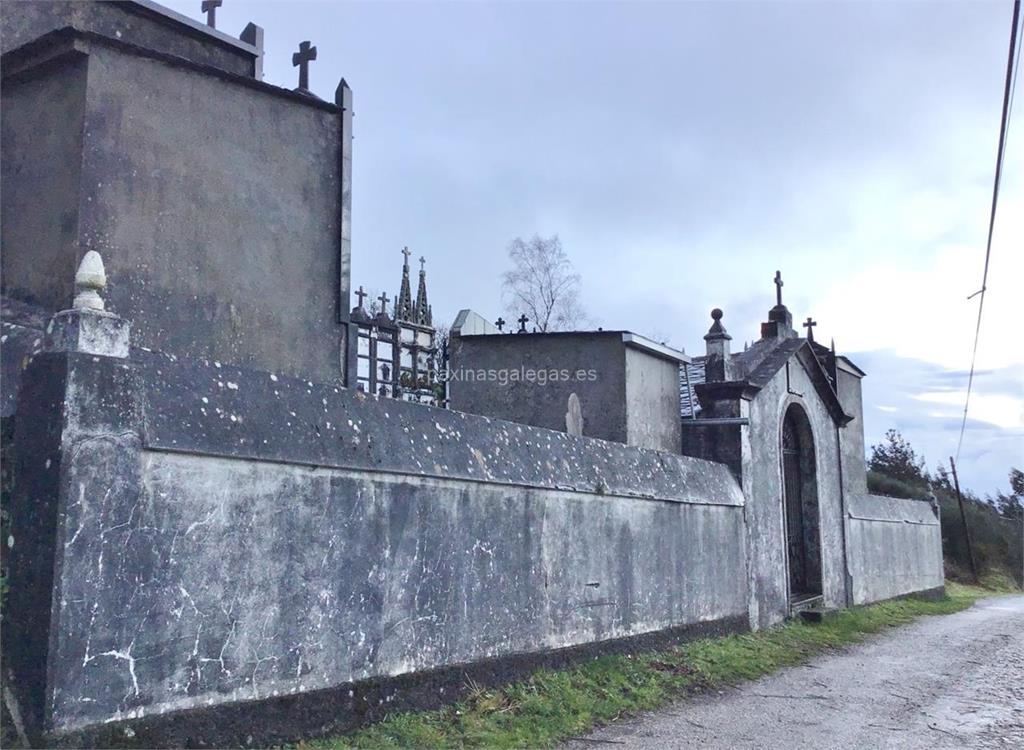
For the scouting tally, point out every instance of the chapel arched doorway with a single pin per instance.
(800, 492)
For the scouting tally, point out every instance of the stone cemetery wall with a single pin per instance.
(895, 548)
(218, 536)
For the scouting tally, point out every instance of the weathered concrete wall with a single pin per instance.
(855, 472)
(223, 535)
(763, 487)
(652, 401)
(40, 182)
(215, 201)
(895, 547)
(601, 387)
(153, 27)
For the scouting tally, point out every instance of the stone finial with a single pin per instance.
(717, 330)
(90, 279)
(717, 365)
(87, 328)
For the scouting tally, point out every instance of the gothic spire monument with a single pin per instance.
(403, 304)
(397, 355)
(423, 314)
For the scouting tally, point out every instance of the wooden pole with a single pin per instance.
(963, 518)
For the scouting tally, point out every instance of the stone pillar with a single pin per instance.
(718, 364)
(87, 328)
(75, 458)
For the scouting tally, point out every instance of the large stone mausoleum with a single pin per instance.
(218, 537)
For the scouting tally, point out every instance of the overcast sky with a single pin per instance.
(685, 151)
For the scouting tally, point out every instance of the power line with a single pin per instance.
(1000, 152)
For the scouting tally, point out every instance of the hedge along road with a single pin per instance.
(943, 682)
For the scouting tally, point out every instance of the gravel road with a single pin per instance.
(951, 681)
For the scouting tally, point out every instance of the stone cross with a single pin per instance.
(423, 263)
(302, 59)
(778, 288)
(500, 322)
(809, 325)
(383, 302)
(360, 294)
(574, 416)
(406, 252)
(210, 9)
(90, 279)
(523, 320)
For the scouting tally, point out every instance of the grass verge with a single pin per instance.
(552, 706)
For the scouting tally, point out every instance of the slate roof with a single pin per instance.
(760, 362)
(689, 406)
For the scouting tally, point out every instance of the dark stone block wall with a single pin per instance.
(223, 535)
(215, 200)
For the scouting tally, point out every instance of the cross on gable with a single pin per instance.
(360, 294)
(500, 322)
(523, 320)
(778, 287)
(809, 325)
(302, 59)
(210, 9)
(383, 302)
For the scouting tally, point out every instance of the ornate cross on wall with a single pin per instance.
(778, 288)
(809, 325)
(210, 9)
(523, 320)
(500, 322)
(302, 59)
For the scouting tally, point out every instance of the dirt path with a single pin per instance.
(943, 682)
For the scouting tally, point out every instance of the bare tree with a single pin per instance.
(543, 284)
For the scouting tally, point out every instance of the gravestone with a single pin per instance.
(574, 416)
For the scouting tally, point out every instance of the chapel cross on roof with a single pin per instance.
(383, 302)
(302, 59)
(423, 263)
(778, 288)
(523, 320)
(210, 9)
(500, 322)
(809, 325)
(406, 252)
(361, 294)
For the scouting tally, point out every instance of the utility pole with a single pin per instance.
(963, 518)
